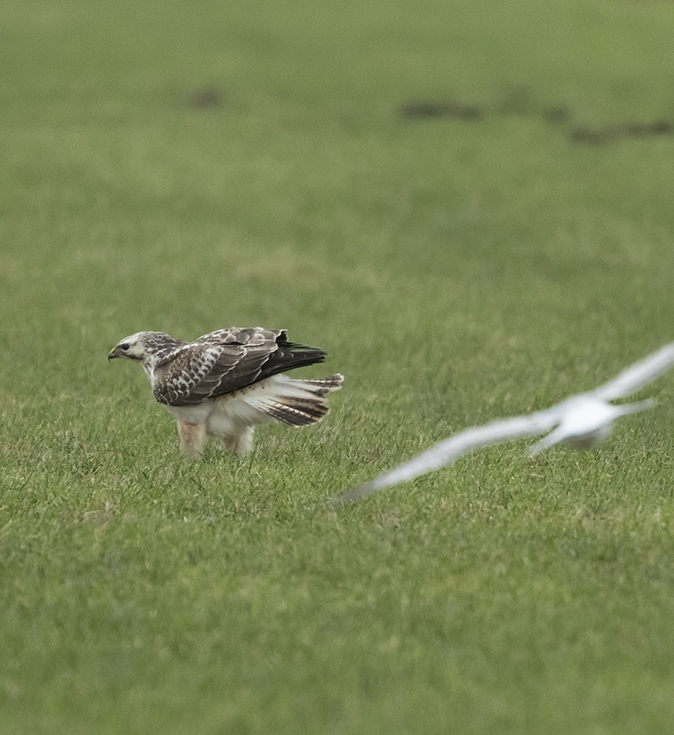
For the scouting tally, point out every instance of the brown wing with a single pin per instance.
(228, 360)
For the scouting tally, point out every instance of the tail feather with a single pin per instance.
(292, 401)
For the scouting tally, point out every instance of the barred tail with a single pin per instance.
(295, 402)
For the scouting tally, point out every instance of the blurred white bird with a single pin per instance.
(582, 421)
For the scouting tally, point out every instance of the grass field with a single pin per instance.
(467, 205)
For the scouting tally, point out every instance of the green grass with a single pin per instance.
(455, 271)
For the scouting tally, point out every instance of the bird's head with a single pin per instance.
(144, 347)
(133, 347)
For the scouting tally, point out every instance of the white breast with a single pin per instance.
(587, 421)
(228, 415)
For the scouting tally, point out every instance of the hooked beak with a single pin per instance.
(112, 354)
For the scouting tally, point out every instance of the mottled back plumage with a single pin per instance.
(225, 361)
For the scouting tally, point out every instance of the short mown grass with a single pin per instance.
(189, 166)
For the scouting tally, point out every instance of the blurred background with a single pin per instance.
(468, 204)
(330, 166)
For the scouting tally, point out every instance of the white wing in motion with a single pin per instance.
(582, 420)
(637, 375)
(456, 446)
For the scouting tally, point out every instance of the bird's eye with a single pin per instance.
(125, 347)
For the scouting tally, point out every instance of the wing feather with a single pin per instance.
(456, 446)
(637, 375)
(225, 361)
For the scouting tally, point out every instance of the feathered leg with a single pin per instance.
(240, 444)
(192, 438)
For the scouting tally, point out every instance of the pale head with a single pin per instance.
(147, 348)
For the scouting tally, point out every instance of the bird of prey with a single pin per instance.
(582, 421)
(226, 382)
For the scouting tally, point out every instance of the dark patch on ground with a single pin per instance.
(519, 100)
(205, 98)
(420, 110)
(609, 134)
(591, 137)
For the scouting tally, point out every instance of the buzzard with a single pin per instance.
(226, 382)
